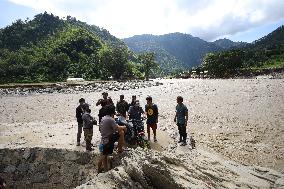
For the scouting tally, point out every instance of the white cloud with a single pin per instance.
(208, 19)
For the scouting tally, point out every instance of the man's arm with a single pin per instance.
(99, 102)
(78, 113)
(186, 118)
(157, 114)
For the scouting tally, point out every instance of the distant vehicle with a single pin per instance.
(74, 80)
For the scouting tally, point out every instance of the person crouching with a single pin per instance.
(88, 122)
(110, 133)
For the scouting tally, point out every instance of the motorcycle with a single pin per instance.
(135, 134)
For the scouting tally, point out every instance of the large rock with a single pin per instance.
(183, 168)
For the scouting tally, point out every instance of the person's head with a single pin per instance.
(179, 99)
(110, 110)
(137, 104)
(121, 97)
(89, 110)
(105, 94)
(133, 98)
(149, 100)
(82, 101)
(85, 107)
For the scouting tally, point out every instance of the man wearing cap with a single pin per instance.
(152, 113)
(122, 106)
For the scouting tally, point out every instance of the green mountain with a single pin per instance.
(274, 38)
(48, 48)
(176, 50)
(228, 44)
(266, 53)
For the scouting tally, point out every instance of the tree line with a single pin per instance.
(267, 52)
(51, 49)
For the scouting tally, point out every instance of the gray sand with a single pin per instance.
(242, 119)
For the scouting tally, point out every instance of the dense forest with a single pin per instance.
(48, 48)
(265, 53)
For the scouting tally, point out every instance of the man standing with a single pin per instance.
(110, 133)
(88, 122)
(152, 113)
(135, 111)
(181, 119)
(103, 102)
(79, 113)
(122, 106)
(132, 103)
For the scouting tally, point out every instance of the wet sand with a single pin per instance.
(242, 119)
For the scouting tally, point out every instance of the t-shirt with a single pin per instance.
(152, 113)
(122, 107)
(88, 121)
(181, 111)
(104, 102)
(135, 112)
(107, 128)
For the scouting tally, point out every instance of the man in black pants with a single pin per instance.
(181, 119)
(79, 113)
(110, 133)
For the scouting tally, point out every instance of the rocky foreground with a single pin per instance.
(176, 167)
(182, 168)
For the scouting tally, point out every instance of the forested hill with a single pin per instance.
(177, 50)
(29, 32)
(48, 48)
(228, 44)
(274, 38)
(266, 53)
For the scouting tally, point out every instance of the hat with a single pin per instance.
(104, 93)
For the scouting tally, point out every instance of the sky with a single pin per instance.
(238, 20)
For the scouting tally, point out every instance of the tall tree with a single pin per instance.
(148, 61)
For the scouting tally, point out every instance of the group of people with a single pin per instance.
(111, 132)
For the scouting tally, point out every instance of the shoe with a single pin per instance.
(155, 140)
(183, 144)
(179, 141)
(78, 144)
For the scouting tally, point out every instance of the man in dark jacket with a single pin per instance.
(122, 106)
(104, 102)
(79, 113)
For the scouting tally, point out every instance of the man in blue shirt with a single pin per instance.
(181, 119)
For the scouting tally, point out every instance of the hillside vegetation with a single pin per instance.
(265, 53)
(47, 48)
